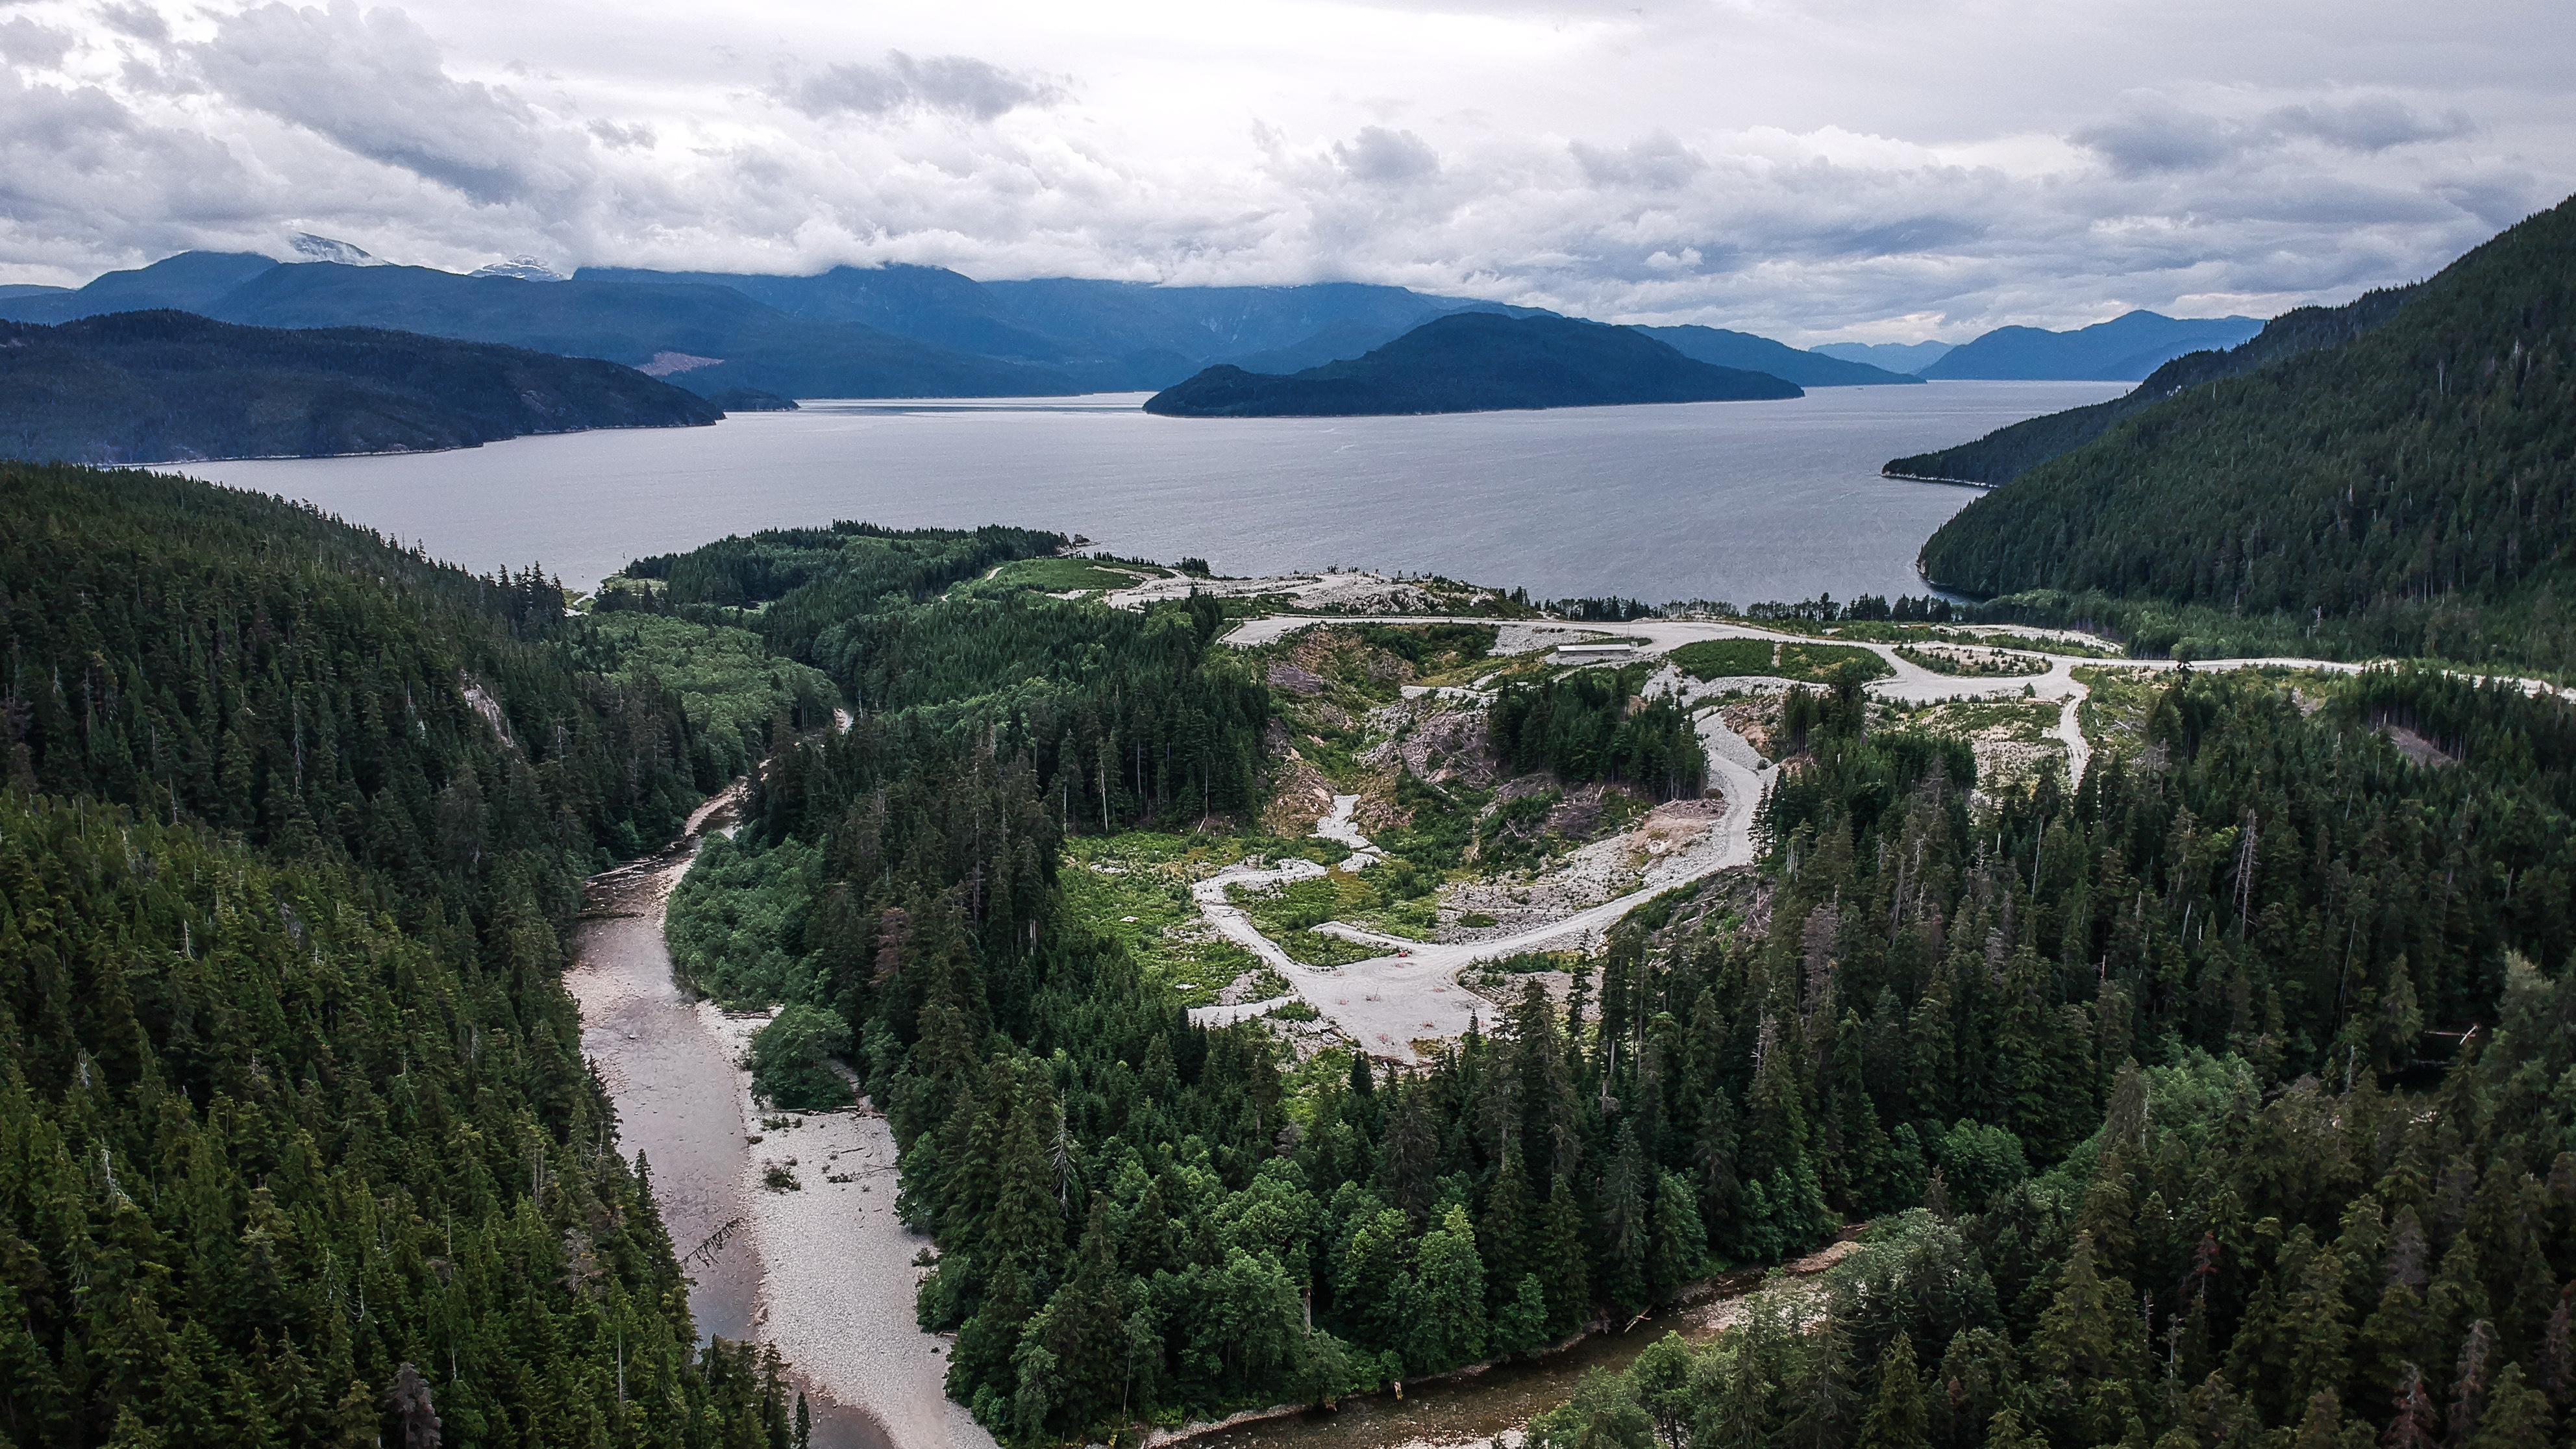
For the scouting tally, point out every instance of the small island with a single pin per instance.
(1476, 362)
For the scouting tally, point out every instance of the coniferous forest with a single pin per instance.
(2223, 1097)
(2215, 1099)
(297, 1146)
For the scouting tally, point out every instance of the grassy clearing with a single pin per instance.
(1136, 887)
(1501, 977)
(2114, 717)
(2020, 721)
(1057, 576)
(1374, 899)
(1733, 658)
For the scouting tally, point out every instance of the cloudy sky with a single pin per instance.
(1872, 170)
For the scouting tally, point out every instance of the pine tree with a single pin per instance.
(1897, 1417)
(1504, 1232)
(2321, 1424)
(2469, 1386)
(1374, 1263)
(1408, 1158)
(1448, 1296)
(1085, 1328)
(1626, 1224)
(1562, 1261)
(2079, 1340)
(1680, 1241)
(2517, 1415)
(1820, 1399)
(2006, 1431)
(2315, 1321)
(2416, 1425)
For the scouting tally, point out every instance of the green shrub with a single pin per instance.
(790, 1059)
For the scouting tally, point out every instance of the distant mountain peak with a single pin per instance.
(525, 269)
(311, 248)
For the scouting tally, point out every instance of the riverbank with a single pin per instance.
(823, 1270)
(1495, 1403)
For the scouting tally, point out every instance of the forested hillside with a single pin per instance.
(297, 1146)
(144, 387)
(2406, 493)
(2008, 452)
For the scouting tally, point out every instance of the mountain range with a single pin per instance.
(890, 331)
(1906, 357)
(2126, 348)
(1747, 353)
(1476, 362)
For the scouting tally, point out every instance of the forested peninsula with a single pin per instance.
(2405, 492)
(1476, 362)
(143, 387)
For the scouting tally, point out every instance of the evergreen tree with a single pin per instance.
(2517, 1415)
(1626, 1239)
(1562, 1261)
(1447, 1301)
(1897, 1417)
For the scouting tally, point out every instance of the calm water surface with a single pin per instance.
(1737, 501)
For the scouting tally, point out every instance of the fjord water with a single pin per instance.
(1741, 501)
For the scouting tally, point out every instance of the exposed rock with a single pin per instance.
(1289, 677)
(1302, 796)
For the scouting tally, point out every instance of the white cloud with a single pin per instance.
(1387, 158)
(955, 85)
(24, 42)
(1795, 170)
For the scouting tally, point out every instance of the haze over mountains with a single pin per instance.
(1907, 357)
(909, 331)
(2126, 348)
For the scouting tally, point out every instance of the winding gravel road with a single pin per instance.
(1413, 994)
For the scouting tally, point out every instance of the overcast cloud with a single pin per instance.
(1865, 169)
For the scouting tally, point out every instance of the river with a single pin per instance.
(824, 1271)
(1736, 501)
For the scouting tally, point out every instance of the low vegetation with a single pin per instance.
(1987, 662)
(1765, 658)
